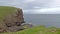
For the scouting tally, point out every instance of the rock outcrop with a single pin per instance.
(13, 21)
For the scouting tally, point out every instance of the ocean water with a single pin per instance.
(47, 20)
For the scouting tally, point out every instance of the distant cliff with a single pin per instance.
(11, 19)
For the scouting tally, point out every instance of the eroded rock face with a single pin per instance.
(15, 18)
(13, 21)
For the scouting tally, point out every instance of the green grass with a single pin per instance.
(37, 30)
(6, 10)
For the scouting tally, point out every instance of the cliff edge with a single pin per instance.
(11, 19)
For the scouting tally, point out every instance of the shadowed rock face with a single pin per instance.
(12, 22)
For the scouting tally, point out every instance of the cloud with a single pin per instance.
(43, 7)
(54, 3)
(28, 1)
(36, 7)
(8, 2)
(31, 6)
(44, 11)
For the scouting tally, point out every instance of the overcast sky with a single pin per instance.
(34, 6)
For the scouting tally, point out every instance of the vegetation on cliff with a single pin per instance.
(37, 30)
(5, 10)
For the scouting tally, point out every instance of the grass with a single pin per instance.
(37, 30)
(6, 10)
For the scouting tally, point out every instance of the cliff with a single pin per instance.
(11, 19)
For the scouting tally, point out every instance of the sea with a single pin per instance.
(48, 20)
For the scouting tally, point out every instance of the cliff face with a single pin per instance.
(15, 18)
(13, 21)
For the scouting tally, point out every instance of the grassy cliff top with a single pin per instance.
(6, 10)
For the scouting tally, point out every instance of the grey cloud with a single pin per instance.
(40, 3)
(28, 5)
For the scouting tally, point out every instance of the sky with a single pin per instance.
(34, 6)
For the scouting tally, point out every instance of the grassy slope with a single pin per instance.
(37, 30)
(6, 10)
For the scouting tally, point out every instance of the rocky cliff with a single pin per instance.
(12, 21)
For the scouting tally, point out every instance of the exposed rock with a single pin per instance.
(27, 25)
(15, 28)
(13, 21)
(15, 18)
(2, 30)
